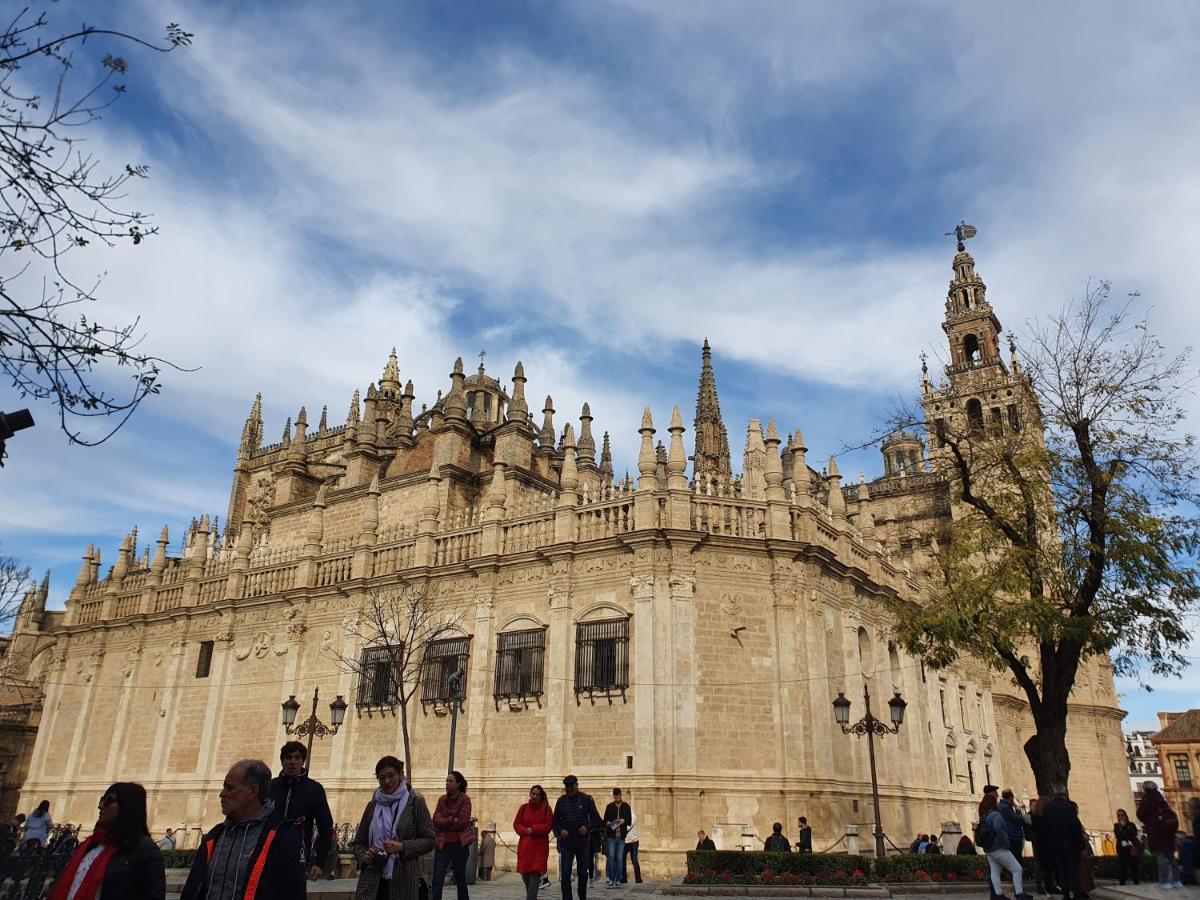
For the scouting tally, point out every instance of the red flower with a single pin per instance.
(691, 877)
(979, 874)
(727, 876)
(936, 876)
(952, 876)
(859, 874)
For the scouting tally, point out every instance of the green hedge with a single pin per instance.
(1106, 867)
(938, 867)
(760, 867)
(178, 859)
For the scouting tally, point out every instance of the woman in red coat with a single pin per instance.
(533, 824)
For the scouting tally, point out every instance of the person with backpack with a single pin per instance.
(1161, 827)
(991, 834)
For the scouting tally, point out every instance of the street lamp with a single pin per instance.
(871, 726)
(312, 725)
(454, 683)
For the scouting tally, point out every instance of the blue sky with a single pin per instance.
(594, 188)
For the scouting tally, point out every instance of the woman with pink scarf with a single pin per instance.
(395, 831)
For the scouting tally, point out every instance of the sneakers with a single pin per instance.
(1170, 886)
(545, 883)
(1178, 885)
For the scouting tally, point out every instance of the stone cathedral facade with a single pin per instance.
(681, 636)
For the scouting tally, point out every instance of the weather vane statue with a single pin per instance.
(962, 233)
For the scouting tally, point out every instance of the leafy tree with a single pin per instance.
(392, 630)
(55, 198)
(1078, 541)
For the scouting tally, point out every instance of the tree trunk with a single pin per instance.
(408, 760)
(1046, 750)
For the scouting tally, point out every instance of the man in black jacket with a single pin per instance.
(704, 842)
(616, 825)
(301, 801)
(253, 853)
(575, 818)
(1060, 818)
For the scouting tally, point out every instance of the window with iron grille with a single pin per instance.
(602, 657)
(1183, 771)
(520, 657)
(442, 659)
(377, 684)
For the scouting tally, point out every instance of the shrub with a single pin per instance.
(1106, 867)
(912, 867)
(753, 867)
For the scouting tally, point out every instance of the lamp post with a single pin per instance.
(454, 683)
(871, 726)
(312, 725)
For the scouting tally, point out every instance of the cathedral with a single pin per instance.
(682, 636)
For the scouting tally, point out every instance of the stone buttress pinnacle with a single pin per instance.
(711, 456)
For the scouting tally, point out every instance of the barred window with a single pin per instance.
(602, 657)
(1183, 771)
(442, 659)
(377, 684)
(520, 658)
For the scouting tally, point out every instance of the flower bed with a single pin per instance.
(760, 867)
(912, 867)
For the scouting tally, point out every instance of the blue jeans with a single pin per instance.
(1187, 860)
(616, 860)
(580, 855)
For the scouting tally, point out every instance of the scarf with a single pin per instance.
(388, 809)
(90, 885)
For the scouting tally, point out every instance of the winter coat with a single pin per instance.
(999, 828)
(279, 864)
(1128, 843)
(572, 813)
(1160, 821)
(706, 844)
(302, 801)
(135, 873)
(452, 820)
(1014, 826)
(487, 852)
(37, 827)
(415, 828)
(777, 843)
(533, 850)
(612, 813)
(1061, 830)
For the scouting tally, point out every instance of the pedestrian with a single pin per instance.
(596, 849)
(37, 827)
(804, 844)
(1189, 842)
(777, 843)
(119, 860)
(922, 844)
(453, 836)
(704, 842)
(487, 853)
(301, 801)
(966, 847)
(168, 840)
(992, 836)
(252, 855)
(1129, 847)
(1162, 825)
(1043, 850)
(395, 831)
(632, 838)
(616, 826)
(533, 823)
(575, 820)
(1014, 822)
(1065, 837)
(933, 848)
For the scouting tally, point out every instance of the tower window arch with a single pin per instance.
(975, 413)
(971, 347)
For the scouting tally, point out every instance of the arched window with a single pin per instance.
(971, 347)
(866, 661)
(975, 413)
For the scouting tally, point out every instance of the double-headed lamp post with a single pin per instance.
(312, 725)
(871, 726)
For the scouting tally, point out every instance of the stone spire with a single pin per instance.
(833, 480)
(676, 457)
(352, 418)
(252, 431)
(323, 425)
(389, 381)
(711, 455)
(660, 462)
(518, 408)
(160, 556)
(647, 459)
(287, 432)
(455, 406)
(587, 444)
(404, 421)
(754, 462)
(546, 435)
(606, 466)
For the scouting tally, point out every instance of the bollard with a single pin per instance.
(852, 840)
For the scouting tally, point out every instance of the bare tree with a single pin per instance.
(396, 628)
(55, 199)
(15, 582)
(1075, 541)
